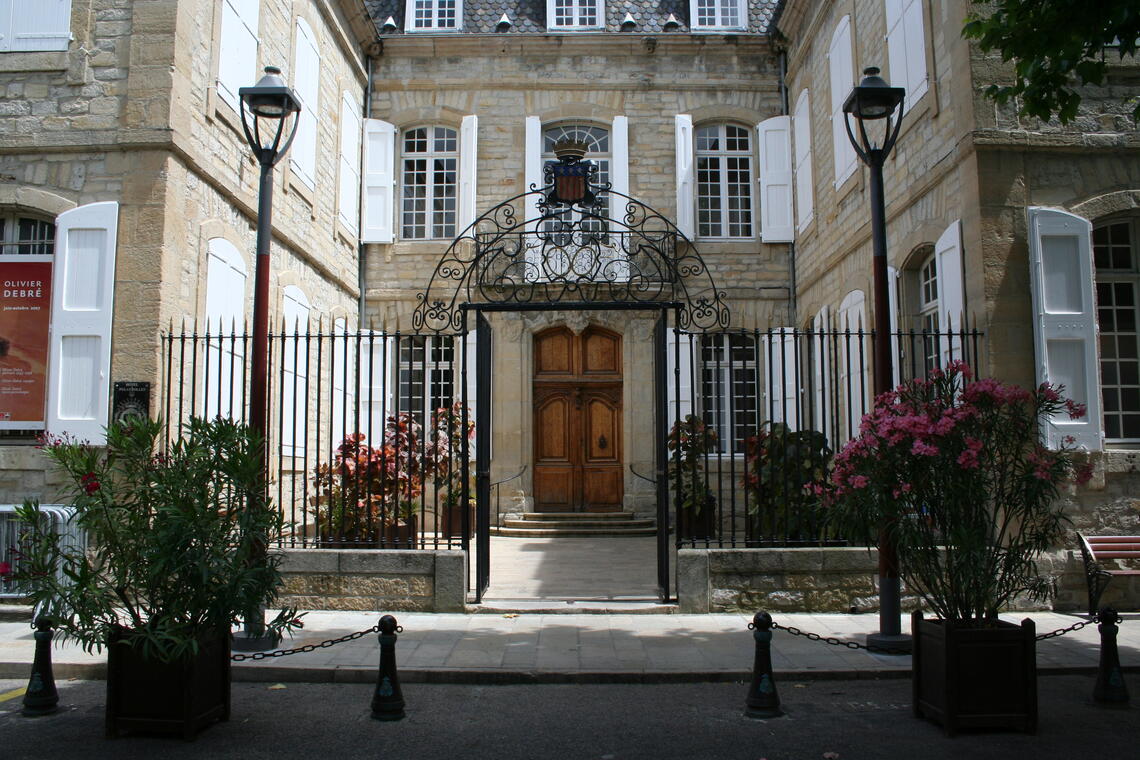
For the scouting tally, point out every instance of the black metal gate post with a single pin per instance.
(660, 454)
(482, 455)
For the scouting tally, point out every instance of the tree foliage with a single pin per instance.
(1056, 46)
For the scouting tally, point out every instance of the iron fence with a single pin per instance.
(372, 446)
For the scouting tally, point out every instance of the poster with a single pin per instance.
(25, 317)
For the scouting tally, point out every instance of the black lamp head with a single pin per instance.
(873, 98)
(270, 98)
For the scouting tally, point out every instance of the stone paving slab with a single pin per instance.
(560, 648)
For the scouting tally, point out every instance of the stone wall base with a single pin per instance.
(386, 580)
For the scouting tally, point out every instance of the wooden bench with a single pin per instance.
(1097, 549)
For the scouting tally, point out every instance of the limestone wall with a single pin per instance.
(389, 580)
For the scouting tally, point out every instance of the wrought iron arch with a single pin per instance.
(571, 254)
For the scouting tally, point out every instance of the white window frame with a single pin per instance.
(722, 155)
(438, 374)
(434, 192)
(1109, 280)
(34, 25)
(906, 48)
(238, 44)
(435, 22)
(719, 9)
(804, 179)
(306, 83)
(722, 411)
(226, 273)
(841, 67)
(578, 6)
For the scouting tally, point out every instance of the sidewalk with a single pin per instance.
(497, 647)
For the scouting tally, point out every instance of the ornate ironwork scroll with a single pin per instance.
(571, 253)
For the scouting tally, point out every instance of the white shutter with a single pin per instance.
(821, 344)
(951, 294)
(343, 381)
(306, 82)
(619, 165)
(294, 372)
(237, 49)
(225, 322)
(805, 190)
(34, 25)
(468, 153)
(83, 286)
(348, 198)
(779, 352)
(842, 69)
(915, 83)
(854, 391)
(686, 183)
(893, 307)
(775, 140)
(679, 376)
(1064, 319)
(470, 348)
(896, 46)
(377, 374)
(532, 168)
(379, 180)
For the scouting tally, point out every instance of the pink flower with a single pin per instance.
(1076, 411)
(922, 448)
(89, 482)
(859, 481)
(5, 570)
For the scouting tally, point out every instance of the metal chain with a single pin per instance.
(1063, 631)
(838, 642)
(307, 647)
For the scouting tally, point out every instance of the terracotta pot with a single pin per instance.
(399, 535)
(970, 677)
(181, 697)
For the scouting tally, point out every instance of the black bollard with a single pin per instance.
(763, 701)
(388, 700)
(1110, 688)
(41, 698)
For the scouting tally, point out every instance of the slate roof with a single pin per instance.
(529, 16)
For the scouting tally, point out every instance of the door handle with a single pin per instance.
(602, 442)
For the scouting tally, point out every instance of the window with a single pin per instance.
(854, 358)
(841, 65)
(906, 48)
(928, 313)
(348, 196)
(801, 132)
(237, 53)
(428, 183)
(433, 15)
(597, 140)
(224, 366)
(575, 14)
(1115, 254)
(294, 372)
(724, 181)
(306, 81)
(718, 14)
(427, 373)
(25, 235)
(728, 388)
(35, 25)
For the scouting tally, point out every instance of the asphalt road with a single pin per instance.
(825, 720)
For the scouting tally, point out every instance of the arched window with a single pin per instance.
(26, 235)
(429, 174)
(928, 322)
(597, 141)
(725, 175)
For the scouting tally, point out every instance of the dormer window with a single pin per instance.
(718, 14)
(433, 15)
(575, 14)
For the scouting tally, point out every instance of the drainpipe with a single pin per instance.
(792, 245)
(360, 246)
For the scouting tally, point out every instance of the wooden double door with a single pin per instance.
(578, 421)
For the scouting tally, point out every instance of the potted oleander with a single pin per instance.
(180, 541)
(690, 442)
(955, 471)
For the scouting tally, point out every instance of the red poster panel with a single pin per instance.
(25, 317)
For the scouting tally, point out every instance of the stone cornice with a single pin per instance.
(554, 45)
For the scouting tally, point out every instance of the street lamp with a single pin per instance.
(874, 100)
(270, 102)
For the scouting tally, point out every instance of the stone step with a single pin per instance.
(585, 522)
(557, 516)
(554, 532)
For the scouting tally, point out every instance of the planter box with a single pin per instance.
(179, 697)
(401, 535)
(701, 526)
(975, 677)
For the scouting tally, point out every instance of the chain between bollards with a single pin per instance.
(41, 697)
(763, 701)
(388, 700)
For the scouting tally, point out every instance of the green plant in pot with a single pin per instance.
(444, 464)
(956, 473)
(368, 496)
(690, 442)
(176, 553)
(784, 475)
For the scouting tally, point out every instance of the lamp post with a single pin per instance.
(874, 100)
(269, 102)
